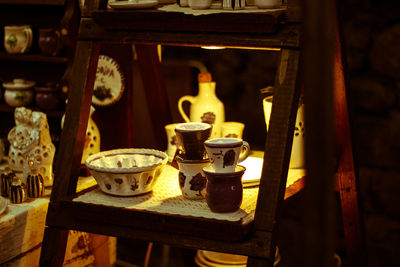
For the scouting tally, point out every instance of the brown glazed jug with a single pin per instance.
(224, 191)
(50, 42)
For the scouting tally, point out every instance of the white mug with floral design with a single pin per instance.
(17, 39)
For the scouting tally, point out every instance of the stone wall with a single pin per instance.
(371, 31)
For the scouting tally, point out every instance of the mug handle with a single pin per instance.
(28, 37)
(245, 152)
(184, 98)
(59, 45)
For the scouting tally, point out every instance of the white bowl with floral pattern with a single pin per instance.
(127, 172)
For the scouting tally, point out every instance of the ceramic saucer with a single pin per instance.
(253, 171)
(133, 4)
(3, 204)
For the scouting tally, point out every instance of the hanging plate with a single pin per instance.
(110, 82)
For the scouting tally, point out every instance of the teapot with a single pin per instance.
(205, 107)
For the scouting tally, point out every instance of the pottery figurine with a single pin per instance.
(5, 182)
(17, 191)
(205, 107)
(30, 144)
(35, 185)
(19, 92)
(17, 39)
(233, 4)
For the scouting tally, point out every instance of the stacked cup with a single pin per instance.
(191, 158)
(224, 191)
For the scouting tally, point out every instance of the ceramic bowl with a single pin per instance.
(19, 92)
(127, 172)
(199, 4)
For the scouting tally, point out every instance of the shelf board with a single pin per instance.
(181, 20)
(95, 211)
(34, 2)
(266, 28)
(50, 113)
(32, 58)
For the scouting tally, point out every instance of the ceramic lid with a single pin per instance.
(48, 87)
(18, 84)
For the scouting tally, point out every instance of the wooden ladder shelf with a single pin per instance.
(255, 236)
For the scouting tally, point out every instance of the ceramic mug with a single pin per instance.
(191, 136)
(172, 140)
(232, 129)
(225, 153)
(224, 189)
(50, 42)
(297, 155)
(192, 180)
(17, 39)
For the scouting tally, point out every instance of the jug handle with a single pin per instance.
(29, 37)
(184, 98)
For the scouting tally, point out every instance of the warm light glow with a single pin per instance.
(213, 47)
(241, 47)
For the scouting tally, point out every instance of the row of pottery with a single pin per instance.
(208, 167)
(18, 40)
(21, 92)
(230, 4)
(12, 187)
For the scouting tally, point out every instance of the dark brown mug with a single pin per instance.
(191, 137)
(224, 190)
(50, 42)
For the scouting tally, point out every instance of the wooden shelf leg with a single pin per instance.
(346, 177)
(53, 246)
(71, 146)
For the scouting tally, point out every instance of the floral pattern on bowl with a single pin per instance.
(127, 172)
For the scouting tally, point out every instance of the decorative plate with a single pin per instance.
(110, 82)
(133, 4)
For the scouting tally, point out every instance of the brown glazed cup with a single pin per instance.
(191, 137)
(224, 191)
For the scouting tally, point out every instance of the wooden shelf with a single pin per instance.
(137, 214)
(32, 58)
(34, 2)
(50, 113)
(266, 28)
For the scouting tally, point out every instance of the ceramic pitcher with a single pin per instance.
(205, 107)
(17, 39)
